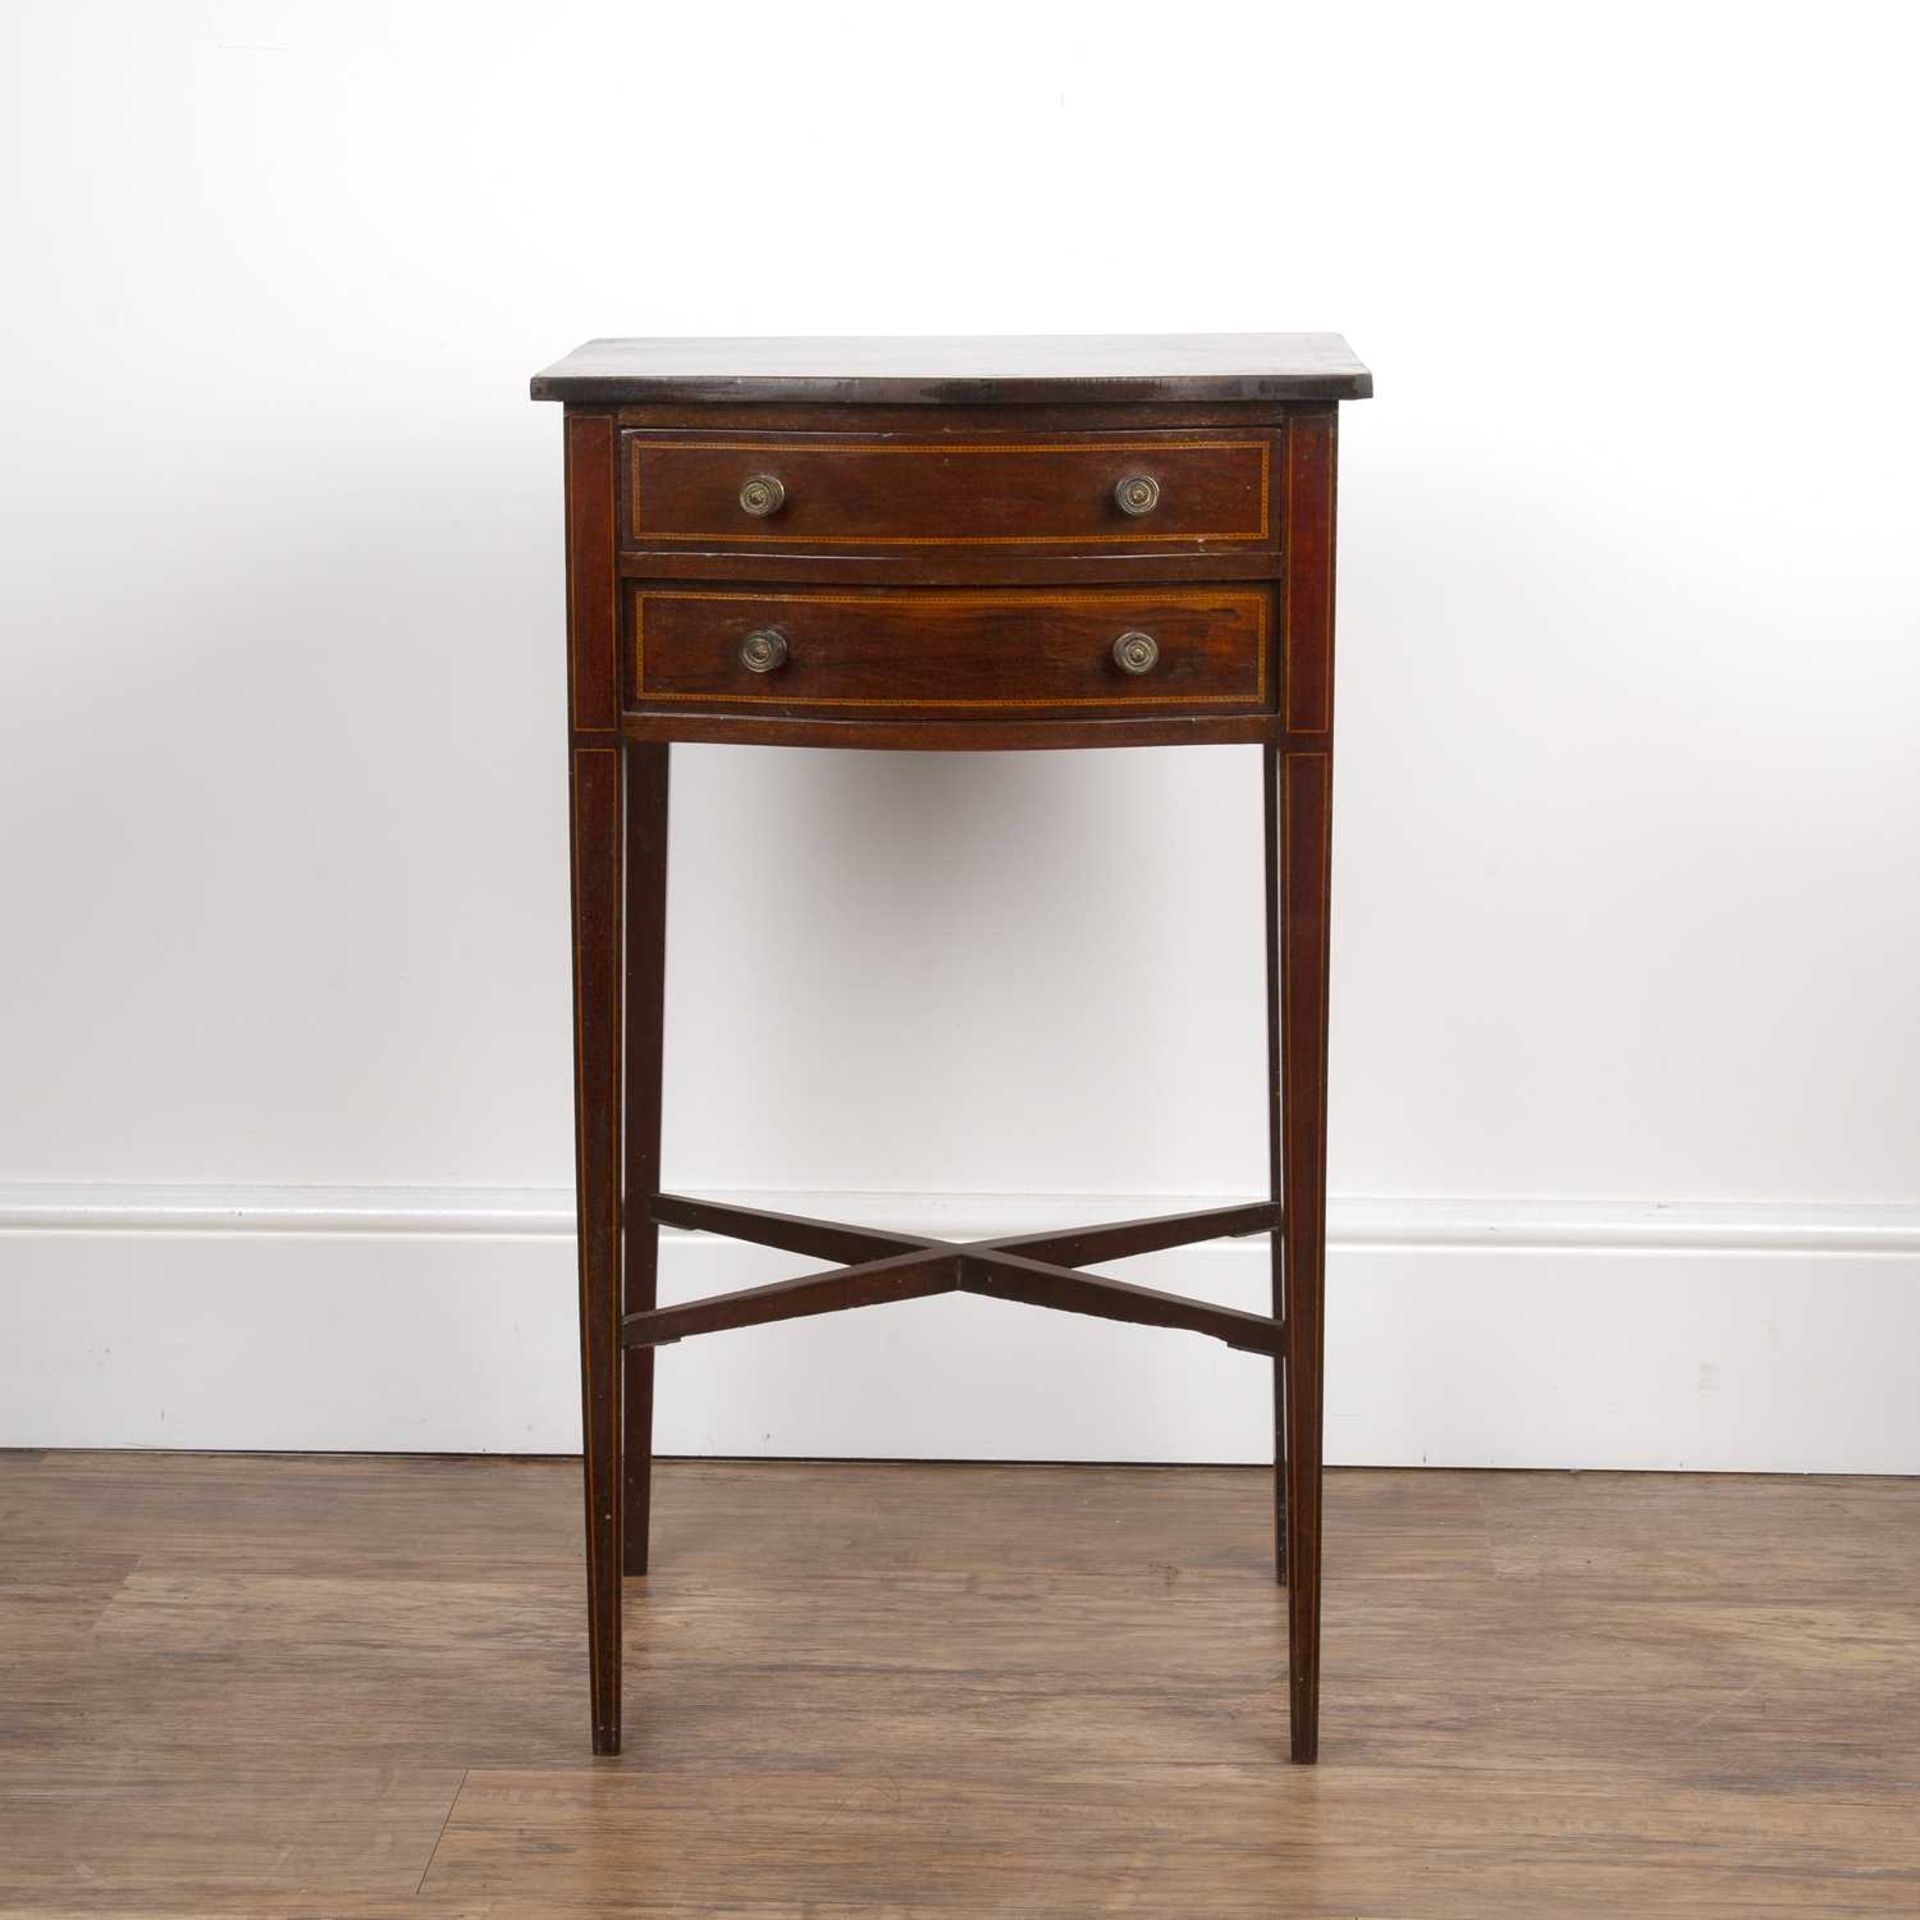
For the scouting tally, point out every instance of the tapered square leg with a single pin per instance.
(597, 913)
(1276, 1162)
(646, 963)
(1300, 835)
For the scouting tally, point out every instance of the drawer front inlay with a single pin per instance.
(1192, 489)
(935, 650)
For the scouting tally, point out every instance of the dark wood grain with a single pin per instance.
(647, 771)
(997, 491)
(597, 914)
(1309, 545)
(901, 1276)
(954, 420)
(1304, 835)
(1275, 917)
(956, 370)
(1009, 732)
(947, 570)
(593, 655)
(872, 651)
(1039, 1283)
(792, 562)
(954, 566)
(1037, 1269)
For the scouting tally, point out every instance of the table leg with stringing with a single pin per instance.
(646, 960)
(1299, 796)
(1276, 1180)
(597, 915)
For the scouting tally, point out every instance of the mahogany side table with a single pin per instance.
(940, 545)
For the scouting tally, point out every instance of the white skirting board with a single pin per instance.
(1460, 1333)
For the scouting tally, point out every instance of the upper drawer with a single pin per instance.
(1192, 489)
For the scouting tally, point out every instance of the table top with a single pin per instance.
(974, 370)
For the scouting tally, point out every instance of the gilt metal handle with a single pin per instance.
(1136, 653)
(763, 650)
(1137, 494)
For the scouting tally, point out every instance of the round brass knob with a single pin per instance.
(763, 650)
(1138, 493)
(1136, 653)
(762, 494)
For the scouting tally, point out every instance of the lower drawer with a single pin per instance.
(937, 650)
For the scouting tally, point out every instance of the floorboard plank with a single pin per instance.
(243, 1685)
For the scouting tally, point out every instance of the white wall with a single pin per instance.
(1628, 814)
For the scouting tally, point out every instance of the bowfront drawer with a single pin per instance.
(806, 491)
(934, 651)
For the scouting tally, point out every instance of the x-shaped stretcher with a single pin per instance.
(1041, 1269)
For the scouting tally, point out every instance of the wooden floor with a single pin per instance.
(357, 1687)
